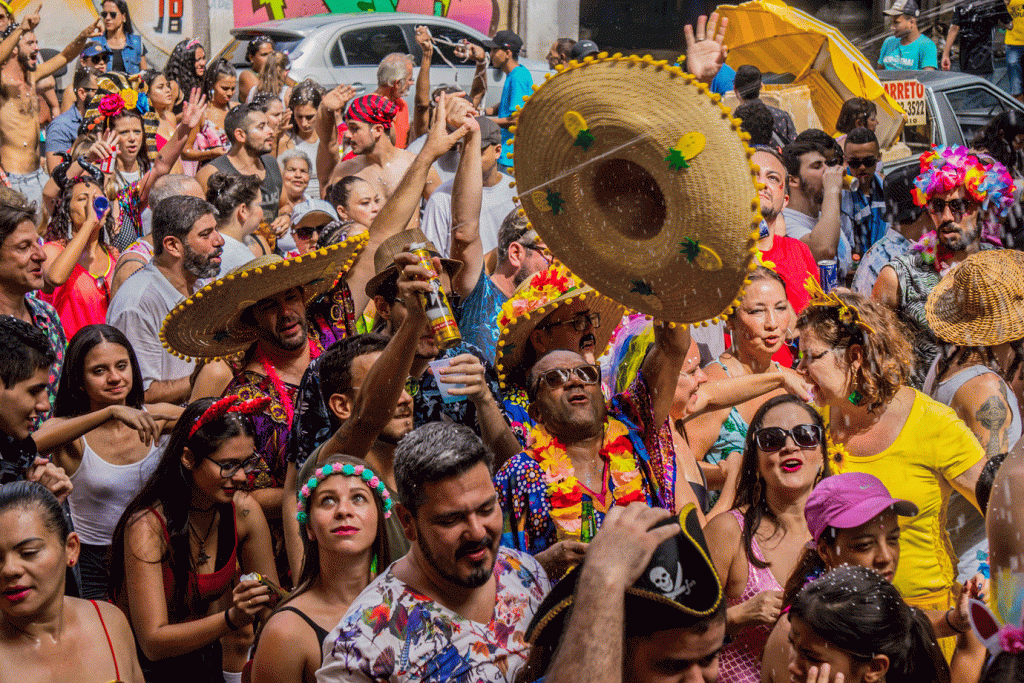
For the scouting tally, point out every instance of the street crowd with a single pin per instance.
(293, 390)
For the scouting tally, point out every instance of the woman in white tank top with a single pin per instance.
(105, 439)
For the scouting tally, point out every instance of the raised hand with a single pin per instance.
(705, 48)
(425, 41)
(194, 109)
(30, 22)
(439, 140)
(339, 97)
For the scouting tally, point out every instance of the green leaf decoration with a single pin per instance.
(584, 139)
(555, 201)
(690, 248)
(640, 287)
(676, 160)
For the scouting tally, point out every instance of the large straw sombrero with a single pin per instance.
(640, 181)
(384, 258)
(537, 297)
(116, 87)
(211, 324)
(980, 303)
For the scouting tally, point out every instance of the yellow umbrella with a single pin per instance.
(777, 38)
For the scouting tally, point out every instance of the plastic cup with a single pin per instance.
(443, 386)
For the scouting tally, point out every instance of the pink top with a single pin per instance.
(741, 659)
(84, 298)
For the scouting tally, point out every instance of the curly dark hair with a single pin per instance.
(60, 229)
(751, 491)
(181, 67)
(888, 354)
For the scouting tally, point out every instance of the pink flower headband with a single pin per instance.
(945, 168)
(1008, 638)
(344, 469)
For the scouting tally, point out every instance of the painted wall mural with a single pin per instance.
(475, 13)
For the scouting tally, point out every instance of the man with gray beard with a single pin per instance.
(788, 257)
(187, 249)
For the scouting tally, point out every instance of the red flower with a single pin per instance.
(111, 105)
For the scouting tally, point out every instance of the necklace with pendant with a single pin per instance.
(203, 557)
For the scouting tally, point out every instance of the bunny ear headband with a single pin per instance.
(995, 638)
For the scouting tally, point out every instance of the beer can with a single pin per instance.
(828, 271)
(435, 303)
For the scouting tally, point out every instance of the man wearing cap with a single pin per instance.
(369, 120)
(747, 88)
(581, 445)
(496, 199)
(251, 138)
(94, 56)
(505, 48)
(645, 606)
(63, 130)
(907, 48)
(186, 248)
(19, 105)
(957, 208)
(583, 49)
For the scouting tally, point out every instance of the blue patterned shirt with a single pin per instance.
(478, 316)
(891, 245)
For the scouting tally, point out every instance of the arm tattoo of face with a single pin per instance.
(994, 416)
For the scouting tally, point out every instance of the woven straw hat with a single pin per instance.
(980, 303)
(209, 324)
(384, 257)
(538, 297)
(118, 84)
(640, 181)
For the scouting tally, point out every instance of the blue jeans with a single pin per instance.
(1014, 53)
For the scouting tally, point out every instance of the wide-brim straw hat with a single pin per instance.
(981, 302)
(640, 180)
(114, 83)
(536, 298)
(210, 323)
(384, 258)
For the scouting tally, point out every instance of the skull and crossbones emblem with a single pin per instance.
(662, 580)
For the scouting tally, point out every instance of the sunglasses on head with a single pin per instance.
(957, 207)
(772, 439)
(835, 161)
(867, 162)
(556, 378)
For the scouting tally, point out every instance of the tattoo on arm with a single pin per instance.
(993, 415)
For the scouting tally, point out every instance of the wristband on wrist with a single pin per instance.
(950, 623)
(234, 627)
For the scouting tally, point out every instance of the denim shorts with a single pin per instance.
(1014, 53)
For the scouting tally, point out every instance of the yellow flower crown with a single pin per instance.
(848, 313)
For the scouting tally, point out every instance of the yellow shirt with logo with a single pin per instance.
(1015, 35)
(933, 448)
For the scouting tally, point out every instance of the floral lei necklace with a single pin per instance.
(566, 492)
(283, 395)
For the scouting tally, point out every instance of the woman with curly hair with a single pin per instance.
(856, 357)
(185, 70)
(79, 263)
(756, 545)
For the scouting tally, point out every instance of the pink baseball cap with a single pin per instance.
(845, 501)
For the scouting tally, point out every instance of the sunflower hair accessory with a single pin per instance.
(229, 404)
(847, 313)
(346, 469)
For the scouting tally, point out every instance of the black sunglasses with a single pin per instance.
(108, 15)
(556, 378)
(772, 439)
(958, 207)
(306, 231)
(867, 162)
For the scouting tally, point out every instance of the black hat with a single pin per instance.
(506, 40)
(678, 588)
(582, 48)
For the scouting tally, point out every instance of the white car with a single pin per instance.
(347, 48)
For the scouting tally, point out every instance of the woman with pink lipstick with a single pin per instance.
(181, 540)
(107, 441)
(756, 545)
(856, 357)
(346, 546)
(44, 635)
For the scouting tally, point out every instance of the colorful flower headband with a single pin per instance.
(945, 168)
(229, 404)
(115, 103)
(348, 470)
(848, 313)
(544, 287)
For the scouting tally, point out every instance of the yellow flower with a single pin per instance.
(130, 97)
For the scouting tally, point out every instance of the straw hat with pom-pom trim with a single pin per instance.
(640, 181)
(981, 302)
(538, 297)
(211, 323)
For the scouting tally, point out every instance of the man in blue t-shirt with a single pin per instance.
(907, 48)
(504, 47)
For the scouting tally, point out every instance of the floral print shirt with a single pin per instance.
(392, 633)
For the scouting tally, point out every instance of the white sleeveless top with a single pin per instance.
(102, 491)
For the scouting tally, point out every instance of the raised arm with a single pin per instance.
(29, 23)
(421, 111)
(467, 198)
(706, 51)
(662, 366)
(192, 114)
(327, 131)
(479, 87)
(823, 239)
(71, 51)
(60, 263)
